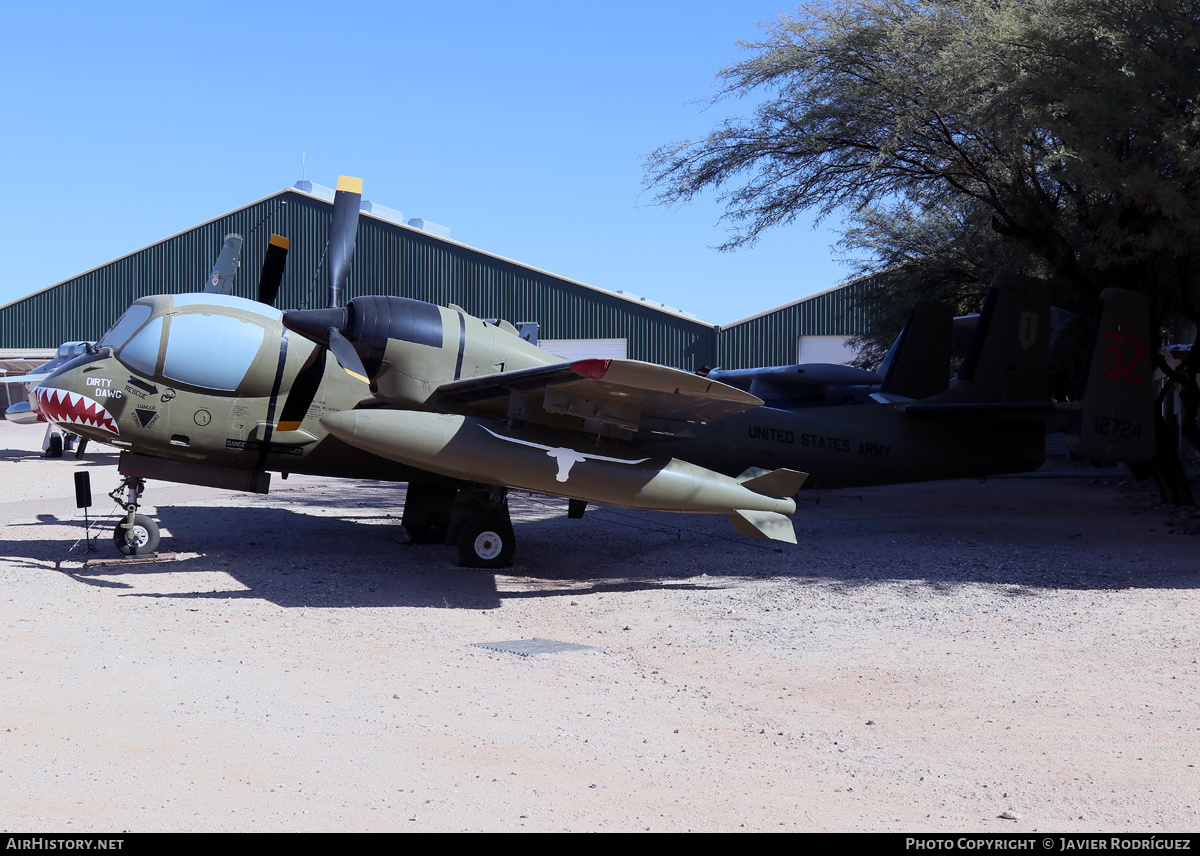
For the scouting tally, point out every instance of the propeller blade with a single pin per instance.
(342, 230)
(272, 270)
(323, 326)
(347, 356)
(303, 391)
(220, 279)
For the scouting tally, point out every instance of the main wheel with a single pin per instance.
(141, 540)
(55, 449)
(486, 542)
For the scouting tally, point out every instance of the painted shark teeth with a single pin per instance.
(60, 405)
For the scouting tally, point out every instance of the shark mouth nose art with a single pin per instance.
(59, 405)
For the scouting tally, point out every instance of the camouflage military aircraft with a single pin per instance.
(463, 402)
(208, 388)
(212, 389)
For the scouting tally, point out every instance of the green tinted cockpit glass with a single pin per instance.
(141, 354)
(120, 332)
(211, 351)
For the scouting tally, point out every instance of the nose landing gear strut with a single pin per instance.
(136, 534)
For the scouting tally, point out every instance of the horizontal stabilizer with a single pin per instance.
(763, 524)
(782, 483)
(802, 375)
(990, 409)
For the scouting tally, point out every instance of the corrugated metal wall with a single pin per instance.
(389, 259)
(393, 259)
(771, 339)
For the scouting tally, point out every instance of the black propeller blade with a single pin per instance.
(322, 326)
(346, 355)
(303, 391)
(346, 202)
(272, 270)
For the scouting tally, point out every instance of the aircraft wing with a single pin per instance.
(626, 395)
(27, 378)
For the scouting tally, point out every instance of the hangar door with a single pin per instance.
(825, 349)
(585, 349)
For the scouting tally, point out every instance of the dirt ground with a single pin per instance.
(928, 658)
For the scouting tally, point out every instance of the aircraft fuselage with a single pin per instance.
(862, 444)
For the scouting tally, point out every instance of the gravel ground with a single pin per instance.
(930, 657)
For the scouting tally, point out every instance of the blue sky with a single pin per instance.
(522, 126)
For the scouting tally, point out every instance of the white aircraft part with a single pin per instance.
(587, 349)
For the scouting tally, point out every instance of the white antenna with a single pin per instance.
(303, 158)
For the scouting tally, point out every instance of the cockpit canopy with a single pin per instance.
(207, 341)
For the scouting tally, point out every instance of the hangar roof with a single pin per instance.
(395, 218)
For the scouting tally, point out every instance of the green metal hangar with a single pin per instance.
(412, 259)
(418, 259)
(813, 329)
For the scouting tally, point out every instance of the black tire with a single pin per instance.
(56, 446)
(142, 540)
(486, 542)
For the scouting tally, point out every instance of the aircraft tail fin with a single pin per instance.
(1116, 420)
(917, 364)
(220, 279)
(763, 524)
(1008, 358)
(782, 483)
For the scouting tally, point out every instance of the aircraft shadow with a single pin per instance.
(354, 552)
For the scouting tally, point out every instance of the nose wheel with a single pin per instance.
(139, 538)
(136, 534)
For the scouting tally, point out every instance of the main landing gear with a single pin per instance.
(473, 517)
(58, 441)
(136, 534)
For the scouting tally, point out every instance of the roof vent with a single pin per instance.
(430, 227)
(382, 211)
(318, 190)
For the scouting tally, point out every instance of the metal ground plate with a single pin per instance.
(529, 647)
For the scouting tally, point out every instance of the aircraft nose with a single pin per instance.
(66, 407)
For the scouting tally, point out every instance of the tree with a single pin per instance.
(1060, 138)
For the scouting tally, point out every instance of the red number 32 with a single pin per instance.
(1114, 348)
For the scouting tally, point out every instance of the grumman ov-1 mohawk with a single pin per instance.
(213, 390)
